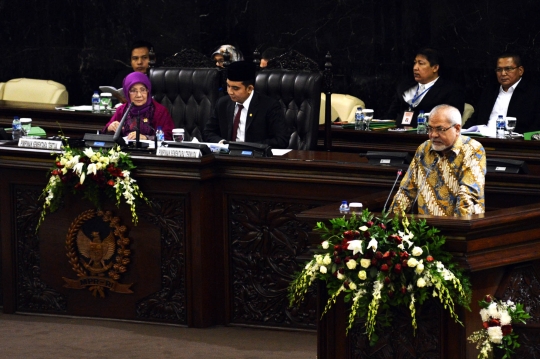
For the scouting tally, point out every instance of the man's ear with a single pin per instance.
(435, 68)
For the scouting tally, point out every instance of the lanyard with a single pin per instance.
(417, 96)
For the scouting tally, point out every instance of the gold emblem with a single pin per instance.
(91, 254)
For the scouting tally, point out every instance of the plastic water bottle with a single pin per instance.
(95, 102)
(160, 136)
(421, 124)
(344, 208)
(500, 127)
(359, 119)
(16, 128)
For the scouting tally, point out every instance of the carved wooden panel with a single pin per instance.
(522, 284)
(168, 304)
(398, 340)
(265, 238)
(32, 293)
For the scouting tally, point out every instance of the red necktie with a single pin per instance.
(236, 123)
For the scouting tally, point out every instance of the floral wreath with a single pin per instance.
(497, 318)
(379, 263)
(92, 173)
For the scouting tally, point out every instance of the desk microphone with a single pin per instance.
(117, 138)
(428, 172)
(392, 190)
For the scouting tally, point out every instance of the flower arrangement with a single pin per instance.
(379, 263)
(497, 318)
(91, 173)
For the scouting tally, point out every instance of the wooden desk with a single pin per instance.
(500, 251)
(218, 245)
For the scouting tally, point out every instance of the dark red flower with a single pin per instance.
(395, 238)
(391, 293)
(382, 225)
(485, 325)
(110, 182)
(341, 270)
(337, 260)
(356, 256)
(338, 248)
(59, 165)
(403, 290)
(346, 284)
(348, 235)
(378, 255)
(386, 255)
(397, 268)
(386, 280)
(506, 329)
(430, 258)
(384, 268)
(392, 254)
(367, 235)
(369, 224)
(373, 261)
(404, 263)
(356, 233)
(404, 255)
(494, 322)
(488, 298)
(55, 172)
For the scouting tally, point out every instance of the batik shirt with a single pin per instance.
(445, 184)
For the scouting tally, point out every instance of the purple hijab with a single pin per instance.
(137, 78)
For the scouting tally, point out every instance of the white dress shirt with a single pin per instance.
(501, 106)
(418, 89)
(241, 133)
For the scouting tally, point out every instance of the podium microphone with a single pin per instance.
(392, 190)
(117, 138)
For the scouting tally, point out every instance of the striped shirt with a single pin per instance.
(445, 184)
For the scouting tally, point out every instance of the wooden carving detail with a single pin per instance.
(169, 304)
(265, 241)
(398, 341)
(189, 58)
(522, 285)
(32, 293)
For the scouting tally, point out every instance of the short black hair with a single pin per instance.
(140, 43)
(272, 52)
(433, 56)
(514, 56)
(248, 82)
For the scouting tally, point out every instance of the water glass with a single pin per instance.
(368, 116)
(106, 102)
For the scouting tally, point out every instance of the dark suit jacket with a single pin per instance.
(522, 106)
(265, 122)
(443, 92)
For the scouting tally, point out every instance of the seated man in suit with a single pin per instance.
(426, 91)
(139, 60)
(515, 97)
(245, 115)
(447, 174)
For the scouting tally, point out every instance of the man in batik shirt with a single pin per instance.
(447, 174)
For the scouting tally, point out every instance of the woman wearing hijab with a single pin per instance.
(152, 114)
(235, 54)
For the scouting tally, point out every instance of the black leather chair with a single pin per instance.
(299, 93)
(188, 93)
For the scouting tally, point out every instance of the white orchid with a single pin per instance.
(373, 244)
(355, 246)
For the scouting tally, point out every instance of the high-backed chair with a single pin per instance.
(188, 93)
(343, 107)
(2, 86)
(33, 90)
(299, 93)
(467, 113)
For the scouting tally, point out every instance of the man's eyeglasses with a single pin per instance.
(506, 69)
(438, 129)
(141, 91)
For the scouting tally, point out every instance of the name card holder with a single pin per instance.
(178, 152)
(40, 144)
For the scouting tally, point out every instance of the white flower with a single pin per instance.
(373, 244)
(78, 168)
(484, 314)
(89, 152)
(420, 283)
(72, 162)
(495, 334)
(506, 319)
(83, 176)
(319, 259)
(91, 168)
(493, 311)
(352, 285)
(340, 276)
(327, 260)
(419, 268)
(417, 251)
(355, 246)
(363, 228)
(351, 264)
(323, 269)
(365, 263)
(362, 275)
(325, 245)
(125, 173)
(412, 262)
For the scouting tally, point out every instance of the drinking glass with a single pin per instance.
(106, 102)
(510, 124)
(368, 116)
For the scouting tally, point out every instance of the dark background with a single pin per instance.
(83, 43)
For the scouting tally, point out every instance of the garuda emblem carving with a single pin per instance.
(91, 243)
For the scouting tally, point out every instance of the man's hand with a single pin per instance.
(113, 126)
(132, 135)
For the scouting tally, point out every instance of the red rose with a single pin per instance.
(341, 270)
(382, 225)
(337, 248)
(346, 284)
(404, 255)
(110, 182)
(485, 325)
(356, 234)
(349, 235)
(384, 268)
(367, 235)
(378, 255)
(488, 298)
(397, 268)
(55, 172)
(403, 290)
(494, 322)
(59, 165)
(430, 258)
(395, 238)
(373, 261)
(506, 329)
(392, 254)
(368, 255)
(391, 293)
(369, 224)
(404, 263)
(348, 258)
(386, 255)
(337, 260)
(386, 280)
(356, 256)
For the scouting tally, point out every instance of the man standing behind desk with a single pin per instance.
(246, 115)
(447, 174)
(426, 91)
(515, 97)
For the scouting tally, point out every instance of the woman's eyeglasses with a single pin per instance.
(141, 91)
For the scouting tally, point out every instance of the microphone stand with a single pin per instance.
(117, 138)
(138, 132)
(392, 190)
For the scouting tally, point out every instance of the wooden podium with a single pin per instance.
(500, 250)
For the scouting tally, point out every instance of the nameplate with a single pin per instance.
(179, 152)
(500, 169)
(41, 144)
(385, 161)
